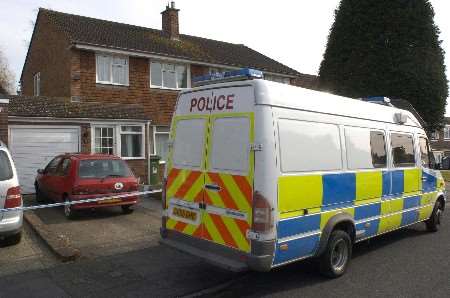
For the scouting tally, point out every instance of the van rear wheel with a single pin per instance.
(337, 255)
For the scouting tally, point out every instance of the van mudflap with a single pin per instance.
(219, 255)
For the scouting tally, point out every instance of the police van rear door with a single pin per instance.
(211, 164)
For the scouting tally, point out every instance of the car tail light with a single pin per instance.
(163, 194)
(262, 213)
(13, 198)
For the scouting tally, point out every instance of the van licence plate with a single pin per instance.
(184, 213)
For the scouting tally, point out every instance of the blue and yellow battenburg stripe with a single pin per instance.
(379, 201)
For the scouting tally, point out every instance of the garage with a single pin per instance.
(32, 147)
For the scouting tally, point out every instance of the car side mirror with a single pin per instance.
(40, 171)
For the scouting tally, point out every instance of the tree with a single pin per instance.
(387, 48)
(6, 76)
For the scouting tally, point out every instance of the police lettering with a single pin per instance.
(213, 103)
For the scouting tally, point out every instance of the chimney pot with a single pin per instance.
(170, 24)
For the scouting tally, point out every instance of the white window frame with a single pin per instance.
(110, 82)
(117, 140)
(434, 136)
(188, 74)
(447, 129)
(37, 84)
(156, 132)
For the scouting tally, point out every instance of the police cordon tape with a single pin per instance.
(118, 196)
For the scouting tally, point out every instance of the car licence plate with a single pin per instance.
(110, 201)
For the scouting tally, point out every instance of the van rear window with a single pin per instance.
(230, 145)
(103, 168)
(189, 143)
(5, 167)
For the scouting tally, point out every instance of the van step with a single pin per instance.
(212, 258)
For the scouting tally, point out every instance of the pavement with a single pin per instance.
(121, 257)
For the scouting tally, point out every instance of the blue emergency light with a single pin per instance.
(378, 99)
(233, 75)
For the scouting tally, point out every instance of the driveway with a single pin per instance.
(105, 231)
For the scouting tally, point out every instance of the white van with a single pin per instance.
(262, 174)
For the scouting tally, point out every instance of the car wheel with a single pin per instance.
(337, 255)
(13, 239)
(434, 222)
(39, 196)
(126, 209)
(68, 210)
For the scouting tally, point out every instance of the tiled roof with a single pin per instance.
(51, 107)
(90, 31)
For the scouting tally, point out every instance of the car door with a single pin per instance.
(46, 181)
(60, 179)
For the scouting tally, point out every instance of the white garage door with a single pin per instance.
(33, 147)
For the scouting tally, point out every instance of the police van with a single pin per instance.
(262, 174)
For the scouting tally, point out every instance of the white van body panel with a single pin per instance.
(336, 131)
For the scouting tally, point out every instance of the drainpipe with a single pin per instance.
(148, 152)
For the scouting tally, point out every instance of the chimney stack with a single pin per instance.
(170, 25)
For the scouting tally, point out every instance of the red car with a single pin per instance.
(73, 177)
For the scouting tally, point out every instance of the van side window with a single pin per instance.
(366, 149)
(402, 150)
(308, 146)
(424, 152)
(230, 144)
(189, 143)
(5, 167)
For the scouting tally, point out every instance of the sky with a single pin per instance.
(291, 32)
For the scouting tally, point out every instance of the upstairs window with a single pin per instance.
(447, 132)
(37, 84)
(435, 136)
(112, 69)
(169, 76)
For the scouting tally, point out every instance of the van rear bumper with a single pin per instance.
(220, 255)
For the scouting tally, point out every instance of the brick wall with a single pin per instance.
(48, 54)
(158, 104)
(4, 123)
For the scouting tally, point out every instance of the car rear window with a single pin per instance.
(102, 168)
(5, 167)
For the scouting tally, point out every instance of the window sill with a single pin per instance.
(112, 84)
(167, 89)
(133, 158)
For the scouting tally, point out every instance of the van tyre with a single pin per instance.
(69, 212)
(334, 261)
(126, 209)
(434, 222)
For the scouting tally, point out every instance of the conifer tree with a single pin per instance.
(387, 48)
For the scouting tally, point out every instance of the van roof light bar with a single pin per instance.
(228, 76)
(382, 100)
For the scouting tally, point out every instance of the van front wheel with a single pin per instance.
(337, 255)
(434, 222)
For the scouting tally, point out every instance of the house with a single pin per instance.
(86, 74)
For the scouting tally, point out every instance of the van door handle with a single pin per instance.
(213, 187)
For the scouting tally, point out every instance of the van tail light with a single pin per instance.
(163, 194)
(262, 213)
(13, 198)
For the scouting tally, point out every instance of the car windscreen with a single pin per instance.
(6, 172)
(103, 168)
